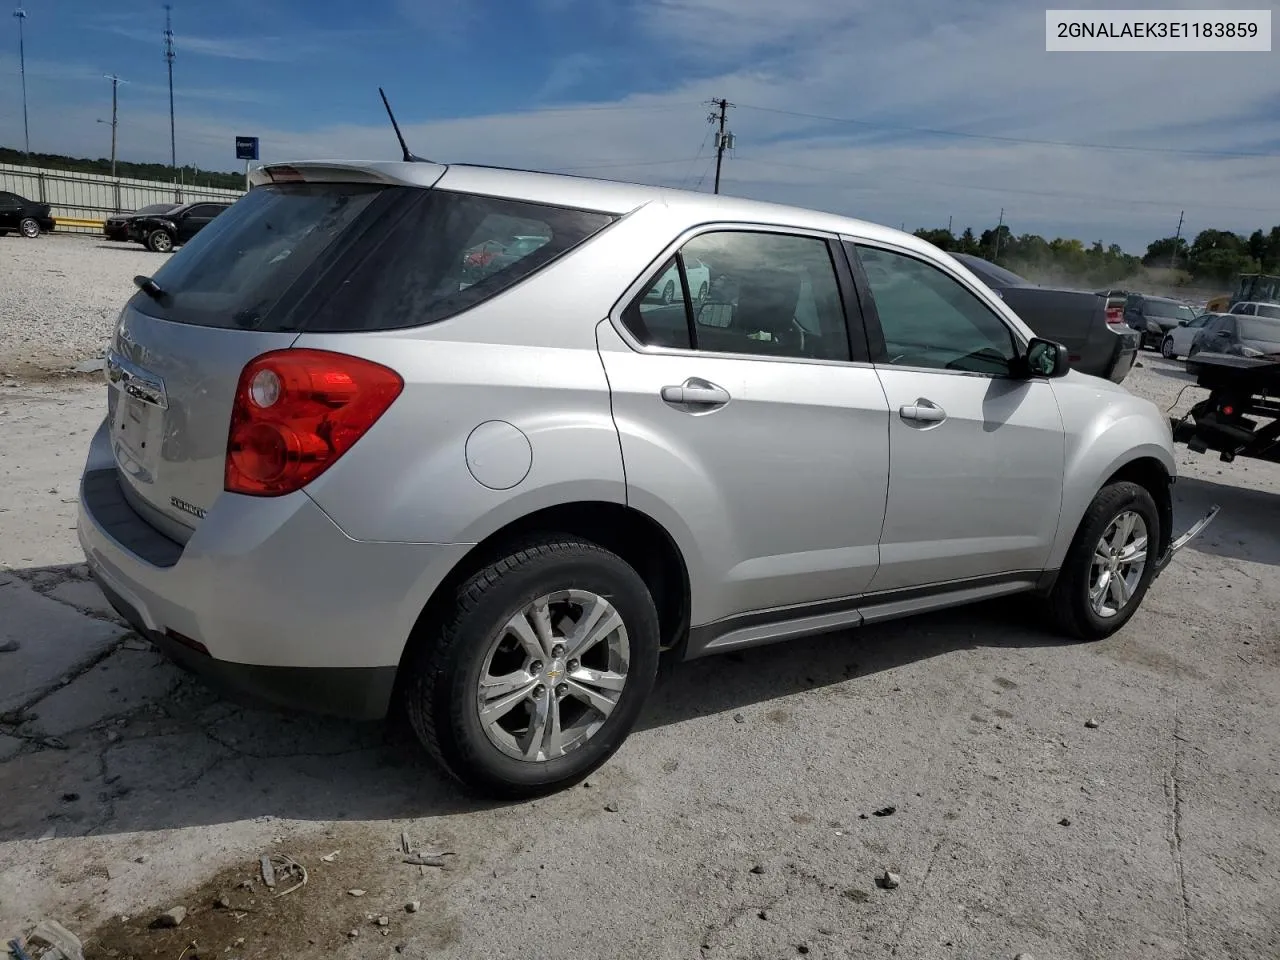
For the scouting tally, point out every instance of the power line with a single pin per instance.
(702, 146)
(1080, 145)
(624, 163)
(975, 186)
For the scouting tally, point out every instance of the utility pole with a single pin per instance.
(115, 83)
(1177, 238)
(999, 227)
(724, 139)
(168, 56)
(21, 16)
(948, 224)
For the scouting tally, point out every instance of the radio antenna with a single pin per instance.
(404, 147)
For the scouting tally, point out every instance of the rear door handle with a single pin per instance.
(696, 392)
(922, 411)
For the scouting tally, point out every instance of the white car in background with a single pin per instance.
(699, 275)
(1255, 309)
(1177, 342)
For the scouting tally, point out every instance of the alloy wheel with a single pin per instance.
(1119, 559)
(553, 675)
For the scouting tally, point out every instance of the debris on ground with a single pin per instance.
(15, 948)
(1091, 723)
(1064, 822)
(428, 859)
(330, 857)
(856, 895)
(413, 906)
(384, 921)
(47, 835)
(268, 873)
(172, 917)
(611, 807)
(888, 880)
(758, 868)
(885, 812)
(1024, 956)
(10, 646)
(62, 943)
(739, 718)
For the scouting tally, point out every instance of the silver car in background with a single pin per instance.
(438, 434)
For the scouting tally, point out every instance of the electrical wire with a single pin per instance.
(1001, 190)
(623, 163)
(1076, 144)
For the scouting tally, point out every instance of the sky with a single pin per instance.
(900, 113)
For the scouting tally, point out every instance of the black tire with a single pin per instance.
(445, 669)
(29, 228)
(669, 292)
(159, 241)
(1068, 604)
(1166, 349)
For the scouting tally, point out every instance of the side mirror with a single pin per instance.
(1183, 323)
(1045, 358)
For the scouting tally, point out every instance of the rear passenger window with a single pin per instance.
(445, 253)
(747, 293)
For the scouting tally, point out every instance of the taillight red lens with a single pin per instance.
(296, 412)
(1115, 315)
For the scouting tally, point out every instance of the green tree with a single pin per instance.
(943, 239)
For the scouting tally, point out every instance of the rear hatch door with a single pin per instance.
(229, 295)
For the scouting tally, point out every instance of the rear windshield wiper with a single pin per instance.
(149, 287)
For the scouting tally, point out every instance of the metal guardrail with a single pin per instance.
(81, 201)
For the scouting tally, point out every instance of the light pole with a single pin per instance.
(115, 83)
(21, 16)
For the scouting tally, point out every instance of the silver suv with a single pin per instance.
(443, 435)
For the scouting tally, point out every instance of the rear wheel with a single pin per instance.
(160, 241)
(539, 671)
(1166, 348)
(29, 228)
(1110, 564)
(669, 292)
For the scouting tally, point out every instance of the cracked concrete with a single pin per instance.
(970, 723)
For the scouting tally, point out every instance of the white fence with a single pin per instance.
(83, 200)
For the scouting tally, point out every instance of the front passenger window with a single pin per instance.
(929, 319)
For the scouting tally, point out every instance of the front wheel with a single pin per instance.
(29, 228)
(1166, 348)
(538, 672)
(1110, 565)
(159, 241)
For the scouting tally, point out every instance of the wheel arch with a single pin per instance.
(633, 535)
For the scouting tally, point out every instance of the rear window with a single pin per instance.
(444, 253)
(235, 271)
(1168, 310)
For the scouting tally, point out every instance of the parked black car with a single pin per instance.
(164, 231)
(1256, 338)
(18, 214)
(1153, 317)
(116, 226)
(1097, 343)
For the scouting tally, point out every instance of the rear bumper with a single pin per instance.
(268, 598)
(357, 693)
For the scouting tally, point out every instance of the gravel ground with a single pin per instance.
(1117, 799)
(60, 296)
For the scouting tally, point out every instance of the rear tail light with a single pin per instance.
(298, 411)
(1115, 315)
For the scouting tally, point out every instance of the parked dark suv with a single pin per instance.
(162, 232)
(1153, 317)
(27, 217)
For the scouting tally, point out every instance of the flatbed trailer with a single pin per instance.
(1241, 415)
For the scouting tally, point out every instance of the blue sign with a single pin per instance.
(246, 148)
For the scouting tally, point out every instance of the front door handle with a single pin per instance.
(696, 392)
(922, 411)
